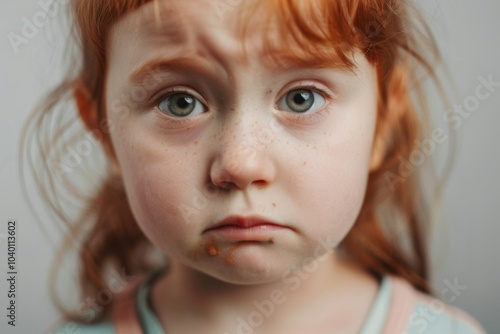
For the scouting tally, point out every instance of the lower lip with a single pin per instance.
(255, 233)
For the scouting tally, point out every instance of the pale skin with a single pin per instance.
(218, 118)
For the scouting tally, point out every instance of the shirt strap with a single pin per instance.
(403, 298)
(125, 315)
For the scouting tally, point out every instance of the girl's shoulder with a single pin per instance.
(411, 311)
(131, 313)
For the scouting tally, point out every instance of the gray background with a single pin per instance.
(467, 247)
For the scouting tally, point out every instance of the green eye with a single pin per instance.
(301, 101)
(181, 105)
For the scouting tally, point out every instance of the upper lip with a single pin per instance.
(244, 221)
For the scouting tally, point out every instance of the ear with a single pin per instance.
(378, 151)
(87, 107)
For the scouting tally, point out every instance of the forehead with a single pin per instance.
(192, 25)
(223, 29)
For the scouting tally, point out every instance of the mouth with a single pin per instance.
(249, 228)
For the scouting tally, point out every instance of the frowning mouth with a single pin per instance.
(249, 228)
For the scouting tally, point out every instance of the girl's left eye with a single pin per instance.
(181, 105)
(301, 101)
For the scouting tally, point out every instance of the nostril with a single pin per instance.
(223, 180)
(222, 184)
(225, 185)
(260, 183)
(227, 173)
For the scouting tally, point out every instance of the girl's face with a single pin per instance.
(188, 110)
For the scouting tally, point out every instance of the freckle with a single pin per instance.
(274, 204)
(196, 142)
(197, 252)
(304, 163)
(270, 91)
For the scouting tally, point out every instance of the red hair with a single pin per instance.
(387, 32)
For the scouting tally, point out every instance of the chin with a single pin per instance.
(249, 268)
(246, 277)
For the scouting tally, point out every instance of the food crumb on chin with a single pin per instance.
(211, 247)
(213, 251)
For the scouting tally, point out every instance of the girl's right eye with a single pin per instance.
(181, 105)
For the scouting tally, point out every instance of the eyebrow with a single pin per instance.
(284, 60)
(154, 66)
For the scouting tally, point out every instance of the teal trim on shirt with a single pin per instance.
(424, 318)
(375, 321)
(149, 321)
(428, 319)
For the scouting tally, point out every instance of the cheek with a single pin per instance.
(335, 195)
(152, 196)
(157, 187)
(331, 183)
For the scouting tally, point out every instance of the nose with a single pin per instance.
(243, 157)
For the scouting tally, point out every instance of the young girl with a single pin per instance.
(267, 149)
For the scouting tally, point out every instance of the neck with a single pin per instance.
(330, 287)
